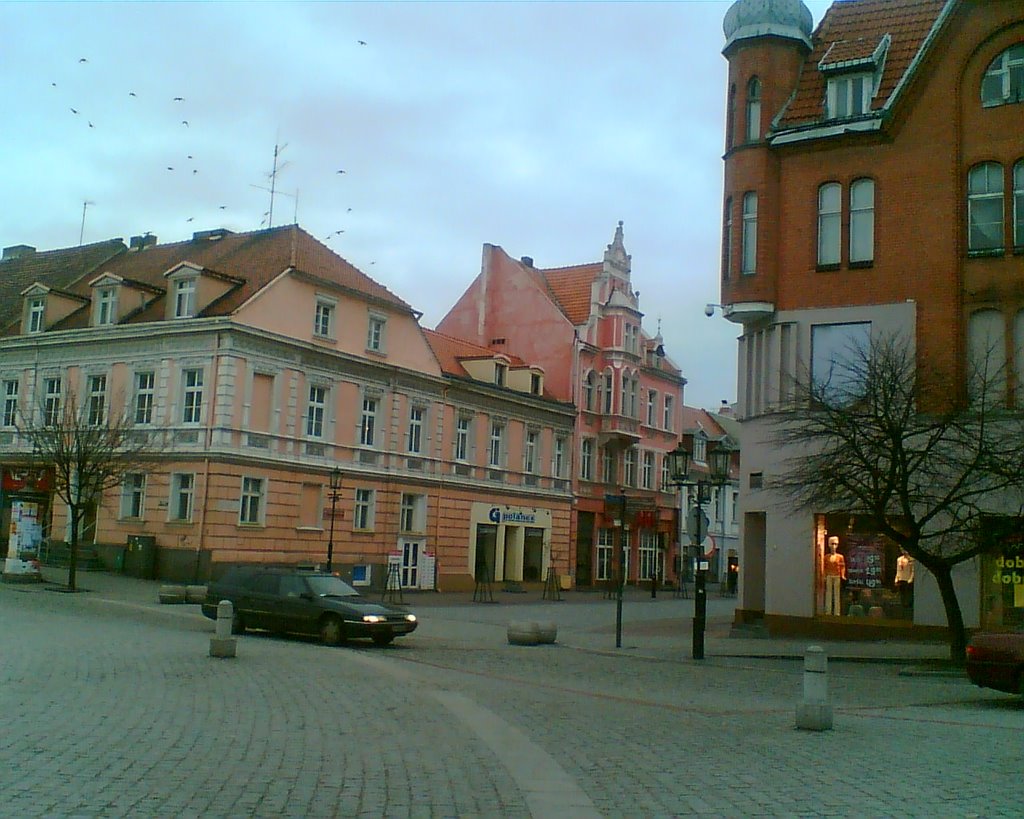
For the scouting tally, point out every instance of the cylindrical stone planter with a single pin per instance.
(547, 632)
(523, 633)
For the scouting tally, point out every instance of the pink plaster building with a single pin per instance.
(582, 325)
(269, 361)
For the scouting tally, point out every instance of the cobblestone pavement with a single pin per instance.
(110, 706)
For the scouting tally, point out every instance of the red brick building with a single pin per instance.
(874, 183)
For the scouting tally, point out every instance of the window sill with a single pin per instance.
(179, 522)
(324, 339)
(827, 268)
(245, 525)
(862, 265)
(986, 254)
(378, 353)
(309, 529)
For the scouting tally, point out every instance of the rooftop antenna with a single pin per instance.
(275, 170)
(81, 233)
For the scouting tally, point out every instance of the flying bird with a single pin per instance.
(194, 170)
(82, 60)
(190, 218)
(73, 111)
(361, 42)
(132, 94)
(178, 99)
(91, 125)
(337, 232)
(185, 122)
(53, 84)
(170, 168)
(223, 207)
(349, 210)
(341, 172)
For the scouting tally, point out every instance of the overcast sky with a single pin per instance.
(533, 126)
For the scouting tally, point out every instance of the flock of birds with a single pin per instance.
(179, 103)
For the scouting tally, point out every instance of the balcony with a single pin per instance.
(619, 431)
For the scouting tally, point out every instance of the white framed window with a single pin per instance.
(37, 314)
(1018, 204)
(363, 511)
(106, 305)
(558, 457)
(1004, 80)
(414, 438)
(607, 392)
(587, 459)
(10, 403)
(315, 410)
(192, 396)
(185, 297)
(412, 516)
(749, 250)
(375, 333)
(848, 95)
(530, 445)
(838, 354)
(180, 501)
(368, 421)
(609, 473)
(51, 401)
(666, 477)
(647, 470)
(652, 407)
(323, 319)
(500, 373)
(496, 450)
(463, 425)
(727, 240)
(145, 390)
(629, 467)
(862, 221)
(985, 207)
(669, 416)
(251, 509)
(133, 495)
(647, 552)
(97, 399)
(605, 553)
(753, 110)
(589, 388)
(700, 449)
(632, 338)
(830, 197)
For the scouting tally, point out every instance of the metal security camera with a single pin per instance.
(709, 310)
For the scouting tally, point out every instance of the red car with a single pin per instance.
(995, 659)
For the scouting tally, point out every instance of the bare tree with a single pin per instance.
(883, 439)
(90, 451)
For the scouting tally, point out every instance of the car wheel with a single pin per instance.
(383, 639)
(332, 631)
(237, 624)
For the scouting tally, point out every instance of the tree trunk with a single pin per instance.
(943, 574)
(73, 548)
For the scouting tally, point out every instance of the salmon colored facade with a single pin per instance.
(583, 325)
(874, 185)
(266, 361)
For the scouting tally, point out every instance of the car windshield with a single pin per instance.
(329, 586)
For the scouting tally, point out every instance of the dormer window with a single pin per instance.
(500, 373)
(848, 95)
(536, 383)
(36, 314)
(185, 298)
(106, 306)
(1003, 82)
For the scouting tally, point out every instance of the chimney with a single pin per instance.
(141, 242)
(18, 252)
(210, 235)
(527, 260)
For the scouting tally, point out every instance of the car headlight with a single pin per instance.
(374, 618)
(411, 618)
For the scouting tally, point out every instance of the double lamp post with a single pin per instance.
(680, 461)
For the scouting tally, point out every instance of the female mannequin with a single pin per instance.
(905, 578)
(835, 574)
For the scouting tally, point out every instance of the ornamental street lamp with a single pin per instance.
(333, 494)
(680, 460)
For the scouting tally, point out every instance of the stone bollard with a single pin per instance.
(222, 644)
(815, 712)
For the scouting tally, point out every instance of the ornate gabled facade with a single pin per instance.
(583, 325)
(268, 361)
(874, 185)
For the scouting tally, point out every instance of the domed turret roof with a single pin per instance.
(759, 18)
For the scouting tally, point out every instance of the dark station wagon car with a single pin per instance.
(995, 659)
(297, 601)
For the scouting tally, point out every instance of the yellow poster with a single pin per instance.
(1018, 596)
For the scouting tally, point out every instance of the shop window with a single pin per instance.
(838, 355)
(1002, 575)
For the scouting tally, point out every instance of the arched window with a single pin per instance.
(1018, 204)
(753, 110)
(829, 223)
(985, 207)
(749, 260)
(730, 117)
(986, 358)
(1004, 80)
(727, 240)
(862, 221)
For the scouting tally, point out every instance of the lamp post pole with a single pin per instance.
(335, 491)
(700, 593)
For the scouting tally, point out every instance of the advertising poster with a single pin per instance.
(865, 561)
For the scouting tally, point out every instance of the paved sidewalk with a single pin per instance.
(658, 628)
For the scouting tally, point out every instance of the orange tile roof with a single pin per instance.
(450, 351)
(850, 26)
(569, 288)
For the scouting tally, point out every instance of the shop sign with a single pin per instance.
(26, 479)
(496, 515)
(864, 561)
(1009, 570)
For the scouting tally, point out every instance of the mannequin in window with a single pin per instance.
(905, 579)
(835, 574)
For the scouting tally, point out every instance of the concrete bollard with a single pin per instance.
(815, 712)
(222, 644)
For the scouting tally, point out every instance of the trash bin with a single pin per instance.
(119, 561)
(140, 557)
